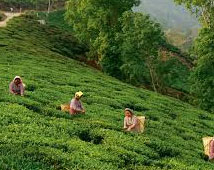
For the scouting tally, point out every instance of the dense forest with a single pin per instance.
(129, 44)
(203, 74)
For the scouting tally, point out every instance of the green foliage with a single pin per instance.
(95, 21)
(35, 134)
(95, 24)
(139, 40)
(125, 43)
(203, 74)
(133, 69)
(173, 74)
(56, 19)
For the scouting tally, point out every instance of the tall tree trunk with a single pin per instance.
(49, 6)
(153, 73)
(153, 79)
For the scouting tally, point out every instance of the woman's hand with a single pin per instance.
(131, 127)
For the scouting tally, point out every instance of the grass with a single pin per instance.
(35, 134)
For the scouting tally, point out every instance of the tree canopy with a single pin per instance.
(140, 39)
(94, 21)
(125, 43)
(203, 74)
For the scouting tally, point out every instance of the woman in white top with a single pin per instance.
(131, 122)
(17, 86)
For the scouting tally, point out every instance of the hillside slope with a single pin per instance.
(35, 134)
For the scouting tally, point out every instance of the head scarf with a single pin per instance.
(17, 77)
(129, 110)
(78, 94)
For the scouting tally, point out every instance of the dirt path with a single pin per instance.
(9, 16)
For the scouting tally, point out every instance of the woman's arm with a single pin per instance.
(82, 110)
(134, 124)
(125, 123)
(11, 88)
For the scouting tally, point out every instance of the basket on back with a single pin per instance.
(141, 123)
(207, 146)
(65, 107)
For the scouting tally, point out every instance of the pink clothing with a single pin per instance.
(17, 89)
(76, 106)
(131, 121)
(211, 150)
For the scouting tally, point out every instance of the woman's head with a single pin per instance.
(17, 80)
(78, 95)
(128, 112)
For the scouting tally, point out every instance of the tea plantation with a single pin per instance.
(35, 134)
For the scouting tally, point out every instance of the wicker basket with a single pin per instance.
(65, 107)
(206, 143)
(141, 120)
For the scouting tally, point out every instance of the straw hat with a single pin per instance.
(78, 94)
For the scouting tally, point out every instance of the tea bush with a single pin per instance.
(35, 134)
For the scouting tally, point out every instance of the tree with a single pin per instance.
(94, 22)
(126, 44)
(140, 40)
(203, 74)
